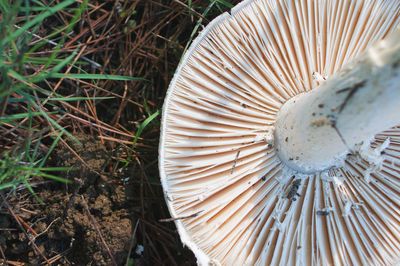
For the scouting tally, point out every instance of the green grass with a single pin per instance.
(18, 168)
(28, 105)
(23, 73)
(142, 126)
(206, 10)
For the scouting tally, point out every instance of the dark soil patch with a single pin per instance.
(81, 224)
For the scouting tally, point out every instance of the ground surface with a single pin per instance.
(69, 227)
(109, 214)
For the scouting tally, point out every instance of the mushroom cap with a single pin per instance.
(234, 201)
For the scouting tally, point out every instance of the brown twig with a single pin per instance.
(132, 242)
(3, 105)
(80, 158)
(59, 256)
(11, 262)
(27, 226)
(5, 202)
(98, 231)
(36, 236)
(3, 255)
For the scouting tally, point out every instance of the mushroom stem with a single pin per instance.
(318, 129)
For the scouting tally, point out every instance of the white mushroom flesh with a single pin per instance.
(217, 161)
(318, 129)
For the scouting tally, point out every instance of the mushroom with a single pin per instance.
(280, 136)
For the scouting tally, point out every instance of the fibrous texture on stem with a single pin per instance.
(318, 129)
(217, 154)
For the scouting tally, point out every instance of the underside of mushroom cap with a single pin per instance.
(217, 161)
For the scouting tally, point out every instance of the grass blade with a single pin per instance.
(36, 20)
(225, 3)
(93, 76)
(139, 132)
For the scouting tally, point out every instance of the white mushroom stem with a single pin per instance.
(318, 129)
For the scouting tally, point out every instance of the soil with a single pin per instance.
(89, 222)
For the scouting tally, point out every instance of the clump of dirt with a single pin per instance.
(80, 224)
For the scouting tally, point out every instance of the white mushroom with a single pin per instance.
(259, 168)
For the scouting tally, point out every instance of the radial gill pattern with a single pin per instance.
(234, 201)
